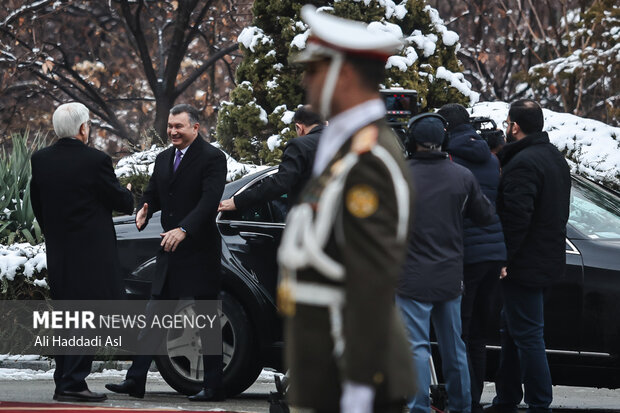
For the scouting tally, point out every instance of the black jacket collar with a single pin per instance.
(429, 156)
(316, 130)
(70, 141)
(510, 150)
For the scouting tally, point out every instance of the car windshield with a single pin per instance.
(594, 211)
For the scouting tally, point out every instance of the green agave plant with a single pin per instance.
(17, 221)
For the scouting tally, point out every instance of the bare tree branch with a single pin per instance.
(133, 22)
(28, 8)
(208, 63)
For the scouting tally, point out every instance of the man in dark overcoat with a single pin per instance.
(186, 186)
(74, 191)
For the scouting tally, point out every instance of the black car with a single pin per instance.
(582, 312)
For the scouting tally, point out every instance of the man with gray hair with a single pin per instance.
(74, 191)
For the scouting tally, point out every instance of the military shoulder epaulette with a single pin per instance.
(365, 139)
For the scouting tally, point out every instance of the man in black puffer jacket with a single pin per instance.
(533, 205)
(485, 251)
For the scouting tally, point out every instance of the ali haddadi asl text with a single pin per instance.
(58, 341)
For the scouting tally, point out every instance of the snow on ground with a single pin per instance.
(266, 376)
(591, 146)
(21, 357)
(29, 374)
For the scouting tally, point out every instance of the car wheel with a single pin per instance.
(182, 367)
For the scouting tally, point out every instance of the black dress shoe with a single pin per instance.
(501, 408)
(79, 396)
(128, 386)
(208, 395)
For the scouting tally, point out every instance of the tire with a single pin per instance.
(241, 364)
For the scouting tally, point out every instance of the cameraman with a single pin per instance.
(430, 287)
(485, 251)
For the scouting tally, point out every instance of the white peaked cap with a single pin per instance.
(342, 35)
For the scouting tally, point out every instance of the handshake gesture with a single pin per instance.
(170, 239)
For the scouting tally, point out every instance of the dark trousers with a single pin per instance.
(523, 359)
(212, 364)
(480, 302)
(71, 371)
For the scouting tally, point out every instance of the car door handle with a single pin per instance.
(255, 236)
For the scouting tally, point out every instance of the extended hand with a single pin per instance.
(227, 205)
(141, 217)
(503, 273)
(172, 239)
(128, 186)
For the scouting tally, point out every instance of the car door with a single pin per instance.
(595, 215)
(253, 236)
(564, 304)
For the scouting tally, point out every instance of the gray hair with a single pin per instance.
(68, 118)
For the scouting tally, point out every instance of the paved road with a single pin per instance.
(39, 388)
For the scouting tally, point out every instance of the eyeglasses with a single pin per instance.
(506, 123)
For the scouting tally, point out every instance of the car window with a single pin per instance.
(279, 209)
(270, 212)
(594, 211)
(257, 213)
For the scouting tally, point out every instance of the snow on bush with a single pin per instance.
(22, 258)
(138, 163)
(592, 148)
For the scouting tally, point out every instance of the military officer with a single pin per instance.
(345, 241)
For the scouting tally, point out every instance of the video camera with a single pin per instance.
(487, 129)
(401, 105)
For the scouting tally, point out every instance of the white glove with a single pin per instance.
(356, 398)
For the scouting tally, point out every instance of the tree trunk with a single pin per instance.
(162, 110)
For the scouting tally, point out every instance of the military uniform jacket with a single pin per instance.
(188, 198)
(364, 340)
